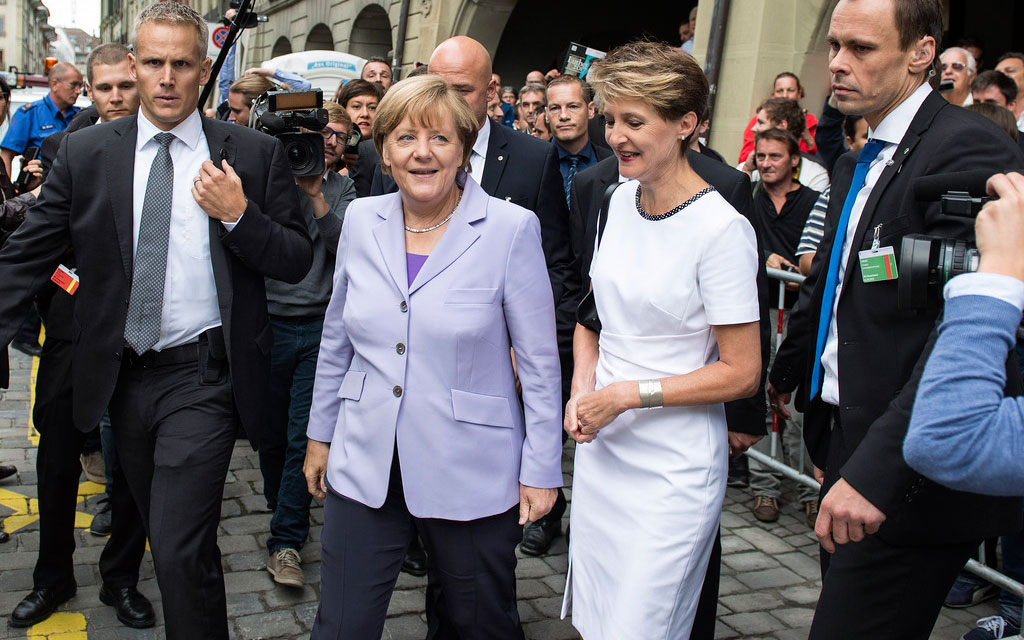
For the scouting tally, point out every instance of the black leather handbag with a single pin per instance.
(586, 312)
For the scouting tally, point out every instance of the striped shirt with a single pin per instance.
(814, 228)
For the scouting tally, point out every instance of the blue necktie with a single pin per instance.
(574, 163)
(867, 154)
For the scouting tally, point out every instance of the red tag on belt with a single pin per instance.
(65, 279)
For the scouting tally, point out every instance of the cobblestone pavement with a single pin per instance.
(769, 572)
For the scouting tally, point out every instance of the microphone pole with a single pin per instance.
(235, 29)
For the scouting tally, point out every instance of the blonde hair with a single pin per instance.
(172, 12)
(663, 77)
(424, 99)
(337, 114)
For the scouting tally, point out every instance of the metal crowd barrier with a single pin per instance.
(979, 569)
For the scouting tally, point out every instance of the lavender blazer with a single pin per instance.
(428, 365)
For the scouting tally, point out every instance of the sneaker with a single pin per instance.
(965, 593)
(765, 509)
(286, 567)
(811, 512)
(738, 472)
(92, 465)
(992, 628)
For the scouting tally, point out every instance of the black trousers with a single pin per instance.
(877, 589)
(471, 589)
(59, 468)
(174, 427)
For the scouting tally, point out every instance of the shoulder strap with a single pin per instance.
(602, 213)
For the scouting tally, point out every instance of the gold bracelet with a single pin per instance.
(650, 393)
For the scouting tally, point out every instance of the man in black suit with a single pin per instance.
(893, 541)
(170, 326)
(523, 170)
(745, 417)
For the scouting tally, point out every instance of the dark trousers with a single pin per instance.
(877, 589)
(58, 468)
(174, 428)
(707, 606)
(471, 589)
(283, 446)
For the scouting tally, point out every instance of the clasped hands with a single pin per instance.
(219, 192)
(586, 413)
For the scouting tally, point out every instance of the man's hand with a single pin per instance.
(311, 186)
(535, 503)
(260, 71)
(778, 401)
(775, 261)
(740, 442)
(1000, 227)
(315, 467)
(35, 169)
(845, 516)
(219, 193)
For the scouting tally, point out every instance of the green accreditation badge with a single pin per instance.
(878, 264)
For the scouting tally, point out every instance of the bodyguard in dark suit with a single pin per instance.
(744, 417)
(893, 540)
(170, 325)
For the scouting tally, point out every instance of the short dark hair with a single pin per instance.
(778, 135)
(1011, 54)
(568, 78)
(998, 79)
(916, 19)
(358, 87)
(109, 53)
(850, 125)
(999, 115)
(378, 59)
(789, 74)
(788, 111)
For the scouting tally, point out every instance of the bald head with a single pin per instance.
(65, 85)
(465, 65)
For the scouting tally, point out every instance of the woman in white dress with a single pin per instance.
(674, 283)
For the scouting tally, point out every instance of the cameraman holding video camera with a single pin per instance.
(296, 322)
(963, 433)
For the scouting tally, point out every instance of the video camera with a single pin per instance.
(927, 263)
(282, 114)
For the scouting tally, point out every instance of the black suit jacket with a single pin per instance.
(86, 205)
(367, 162)
(883, 348)
(743, 416)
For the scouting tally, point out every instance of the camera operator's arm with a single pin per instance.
(335, 192)
(294, 81)
(963, 433)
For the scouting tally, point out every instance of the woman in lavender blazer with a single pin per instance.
(416, 426)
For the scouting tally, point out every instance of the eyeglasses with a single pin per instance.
(77, 86)
(329, 133)
(957, 66)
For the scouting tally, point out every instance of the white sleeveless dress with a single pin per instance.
(647, 492)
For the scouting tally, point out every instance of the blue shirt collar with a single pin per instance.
(587, 152)
(72, 110)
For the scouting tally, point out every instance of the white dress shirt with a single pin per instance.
(479, 155)
(190, 293)
(891, 130)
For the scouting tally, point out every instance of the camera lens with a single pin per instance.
(298, 155)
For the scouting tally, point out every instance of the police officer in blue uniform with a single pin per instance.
(37, 120)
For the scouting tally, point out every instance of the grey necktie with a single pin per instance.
(142, 328)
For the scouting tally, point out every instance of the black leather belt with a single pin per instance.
(170, 356)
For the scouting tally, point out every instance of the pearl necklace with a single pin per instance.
(439, 224)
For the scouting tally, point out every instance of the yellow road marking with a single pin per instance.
(64, 625)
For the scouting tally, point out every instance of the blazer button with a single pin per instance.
(404, 306)
(397, 391)
(400, 348)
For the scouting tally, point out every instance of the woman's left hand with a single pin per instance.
(596, 409)
(535, 503)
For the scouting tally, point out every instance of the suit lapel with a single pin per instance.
(497, 158)
(120, 160)
(218, 139)
(390, 236)
(459, 236)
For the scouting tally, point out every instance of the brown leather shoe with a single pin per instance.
(765, 509)
(811, 512)
(92, 465)
(286, 567)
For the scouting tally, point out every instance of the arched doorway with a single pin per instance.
(320, 38)
(282, 47)
(371, 33)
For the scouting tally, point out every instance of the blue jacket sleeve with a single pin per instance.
(293, 80)
(17, 135)
(963, 433)
(227, 74)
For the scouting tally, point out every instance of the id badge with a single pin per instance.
(66, 279)
(878, 265)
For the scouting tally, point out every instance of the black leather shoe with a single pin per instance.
(102, 522)
(7, 470)
(40, 605)
(415, 562)
(28, 348)
(133, 609)
(539, 535)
